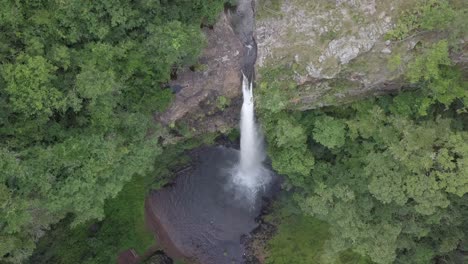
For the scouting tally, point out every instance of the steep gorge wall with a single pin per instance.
(335, 51)
(208, 99)
(327, 52)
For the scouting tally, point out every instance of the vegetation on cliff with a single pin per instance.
(388, 174)
(79, 81)
(301, 238)
(381, 179)
(124, 226)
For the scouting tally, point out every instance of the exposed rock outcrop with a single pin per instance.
(336, 49)
(322, 35)
(206, 97)
(218, 75)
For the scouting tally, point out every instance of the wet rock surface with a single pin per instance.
(218, 75)
(334, 50)
(323, 35)
(159, 258)
(256, 242)
(231, 50)
(242, 19)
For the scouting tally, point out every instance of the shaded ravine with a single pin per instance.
(242, 20)
(203, 217)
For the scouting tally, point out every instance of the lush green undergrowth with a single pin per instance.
(124, 225)
(443, 16)
(79, 83)
(389, 175)
(100, 242)
(300, 238)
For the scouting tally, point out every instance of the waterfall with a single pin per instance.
(251, 152)
(250, 172)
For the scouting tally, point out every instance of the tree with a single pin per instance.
(390, 174)
(29, 86)
(390, 189)
(329, 132)
(79, 82)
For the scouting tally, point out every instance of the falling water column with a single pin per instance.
(250, 170)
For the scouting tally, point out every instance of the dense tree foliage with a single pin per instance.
(78, 83)
(124, 227)
(300, 238)
(392, 183)
(426, 15)
(389, 174)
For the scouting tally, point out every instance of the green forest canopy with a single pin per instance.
(388, 174)
(79, 81)
(389, 178)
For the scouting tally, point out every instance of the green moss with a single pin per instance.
(358, 17)
(330, 66)
(276, 89)
(366, 63)
(301, 47)
(200, 67)
(394, 62)
(222, 102)
(268, 8)
(184, 129)
(299, 241)
(314, 6)
(279, 91)
(328, 36)
(426, 15)
(233, 134)
(342, 85)
(350, 257)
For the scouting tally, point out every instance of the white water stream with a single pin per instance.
(250, 174)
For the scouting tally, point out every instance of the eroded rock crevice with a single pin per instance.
(207, 96)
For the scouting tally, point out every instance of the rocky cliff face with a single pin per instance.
(208, 96)
(331, 51)
(335, 51)
(211, 86)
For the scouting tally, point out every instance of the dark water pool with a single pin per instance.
(201, 218)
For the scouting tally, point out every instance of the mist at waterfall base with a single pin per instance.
(206, 215)
(249, 176)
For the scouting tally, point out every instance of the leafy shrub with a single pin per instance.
(427, 15)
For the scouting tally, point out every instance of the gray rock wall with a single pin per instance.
(337, 49)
